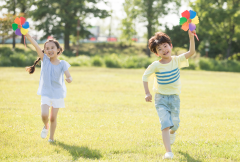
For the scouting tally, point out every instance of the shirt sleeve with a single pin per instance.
(45, 58)
(182, 61)
(66, 65)
(149, 71)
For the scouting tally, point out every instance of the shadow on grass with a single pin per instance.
(188, 157)
(79, 151)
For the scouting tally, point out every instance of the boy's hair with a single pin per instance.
(31, 69)
(157, 39)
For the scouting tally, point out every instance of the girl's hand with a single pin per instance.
(148, 97)
(191, 34)
(69, 80)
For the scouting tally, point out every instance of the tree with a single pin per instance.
(6, 25)
(12, 6)
(150, 11)
(219, 22)
(128, 26)
(61, 16)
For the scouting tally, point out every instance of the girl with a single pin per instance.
(51, 86)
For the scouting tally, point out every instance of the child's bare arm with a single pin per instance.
(35, 44)
(192, 45)
(148, 96)
(68, 76)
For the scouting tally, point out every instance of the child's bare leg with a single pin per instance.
(45, 114)
(166, 139)
(53, 119)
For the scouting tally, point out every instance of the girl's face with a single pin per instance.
(164, 50)
(51, 49)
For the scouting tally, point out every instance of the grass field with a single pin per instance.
(107, 119)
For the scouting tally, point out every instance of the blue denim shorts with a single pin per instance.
(168, 109)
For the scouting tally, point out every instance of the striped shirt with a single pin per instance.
(166, 76)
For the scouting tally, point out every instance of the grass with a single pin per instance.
(107, 119)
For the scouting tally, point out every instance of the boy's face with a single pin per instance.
(164, 50)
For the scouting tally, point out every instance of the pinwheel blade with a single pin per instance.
(24, 31)
(25, 25)
(18, 32)
(186, 14)
(182, 20)
(195, 20)
(14, 26)
(192, 14)
(185, 26)
(17, 20)
(22, 19)
(192, 26)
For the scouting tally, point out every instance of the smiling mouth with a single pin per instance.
(165, 53)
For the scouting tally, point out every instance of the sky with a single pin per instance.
(117, 15)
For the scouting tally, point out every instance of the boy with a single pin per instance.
(167, 85)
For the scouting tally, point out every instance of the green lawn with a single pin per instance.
(107, 119)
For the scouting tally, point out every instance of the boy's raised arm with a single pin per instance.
(35, 44)
(192, 45)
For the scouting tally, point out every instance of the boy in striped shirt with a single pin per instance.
(167, 84)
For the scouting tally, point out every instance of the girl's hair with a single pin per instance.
(157, 39)
(31, 69)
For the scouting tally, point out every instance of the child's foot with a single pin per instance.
(172, 138)
(44, 132)
(50, 140)
(168, 155)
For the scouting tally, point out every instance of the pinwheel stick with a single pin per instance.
(196, 36)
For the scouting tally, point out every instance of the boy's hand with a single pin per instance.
(191, 34)
(148, 97)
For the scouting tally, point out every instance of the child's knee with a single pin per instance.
(44, 116)
(52, 119)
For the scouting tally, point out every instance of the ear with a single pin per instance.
(157, 54)
(171, 46)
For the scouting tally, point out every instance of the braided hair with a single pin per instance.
(31, 69)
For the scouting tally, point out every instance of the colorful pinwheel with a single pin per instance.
(20, 26)
(188, 20)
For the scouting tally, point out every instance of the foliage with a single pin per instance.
(6, 25)
(21, 57)
(59, 17)
(128, 26)
(221, 65)
(17, 58)
(150, 12)
(219, 23)
(97, 61)
(112, 61)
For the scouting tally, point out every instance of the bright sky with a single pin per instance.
(118, 14)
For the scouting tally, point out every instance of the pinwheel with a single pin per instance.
(20, 26)
(188, 21)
